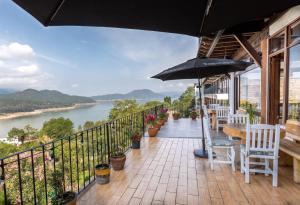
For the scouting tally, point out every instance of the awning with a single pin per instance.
(191, 17)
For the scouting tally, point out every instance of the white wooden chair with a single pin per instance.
(205, 111)
(218, 143)
(222, 117)
(262, 143)
(238, 118)
(213, 106)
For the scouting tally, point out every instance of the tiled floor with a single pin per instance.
(165, 171)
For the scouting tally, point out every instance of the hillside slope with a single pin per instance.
(30, 100)
(143, 94)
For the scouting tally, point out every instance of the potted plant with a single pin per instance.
(151, 122)
(176, 115)
(164, 114)
(102, 172)
(118, 159)
(193, 114)
(136, 137)
(58, 196)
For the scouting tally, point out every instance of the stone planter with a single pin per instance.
(102, 172)
(118, 162)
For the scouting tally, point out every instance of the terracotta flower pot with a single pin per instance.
(193, 117)
(175, 117)
(161, 122)
(118, 162)
(157, 126)
(152, 131)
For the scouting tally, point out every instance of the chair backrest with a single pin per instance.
(205, 112)
(206, 127)
(213, 106)
(222, 112)
(238, 118)
(263, 137)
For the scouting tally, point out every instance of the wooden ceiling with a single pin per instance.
(223, 46)
(226, 46)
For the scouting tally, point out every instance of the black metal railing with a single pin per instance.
(26, 176)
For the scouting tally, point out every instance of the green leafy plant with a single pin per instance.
(135, 134)
(194, 114)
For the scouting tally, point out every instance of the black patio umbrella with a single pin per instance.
(199, 68)
(191, 17)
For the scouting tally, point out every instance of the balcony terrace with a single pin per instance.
(165, 171)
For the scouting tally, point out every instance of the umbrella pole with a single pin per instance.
(201, 152)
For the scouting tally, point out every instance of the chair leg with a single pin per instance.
(275, 173)
(232, 158)
(211, 158)
(247, 170)
(242, 158)
(267, 167)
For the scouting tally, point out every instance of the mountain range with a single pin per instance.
(142, 94)
(30, 100)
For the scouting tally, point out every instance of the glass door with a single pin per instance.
(276, 102)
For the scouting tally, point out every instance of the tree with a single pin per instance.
(31, 133)
(7, 149)
(88, 125)
(151, 104)
(122, 108)
(57, 127)
(16, 132)
(167, 101)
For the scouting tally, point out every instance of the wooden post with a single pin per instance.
(264, 80)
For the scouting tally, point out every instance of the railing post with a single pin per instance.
(4, 183)
(143, 121)
(108, 142)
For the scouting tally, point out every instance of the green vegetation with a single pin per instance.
(185, 103)
(57, 128)
(30, 100)
(123, 107)
(28, 133)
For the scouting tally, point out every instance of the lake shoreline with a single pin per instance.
(7, 116)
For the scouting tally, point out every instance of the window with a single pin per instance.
(277, 43)
(250, 88)
(294, 34)
(294, 83)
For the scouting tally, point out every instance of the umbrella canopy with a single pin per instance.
(191, 17)
(198, 68)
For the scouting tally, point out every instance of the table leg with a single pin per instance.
(296, 170)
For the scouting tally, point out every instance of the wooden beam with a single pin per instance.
(249, 49)
(214, 43)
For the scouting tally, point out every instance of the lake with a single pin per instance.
(78, 116)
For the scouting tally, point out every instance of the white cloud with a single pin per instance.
(19, 67)
(16, 50)
(75, 85)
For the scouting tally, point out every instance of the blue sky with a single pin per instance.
(85, 60)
